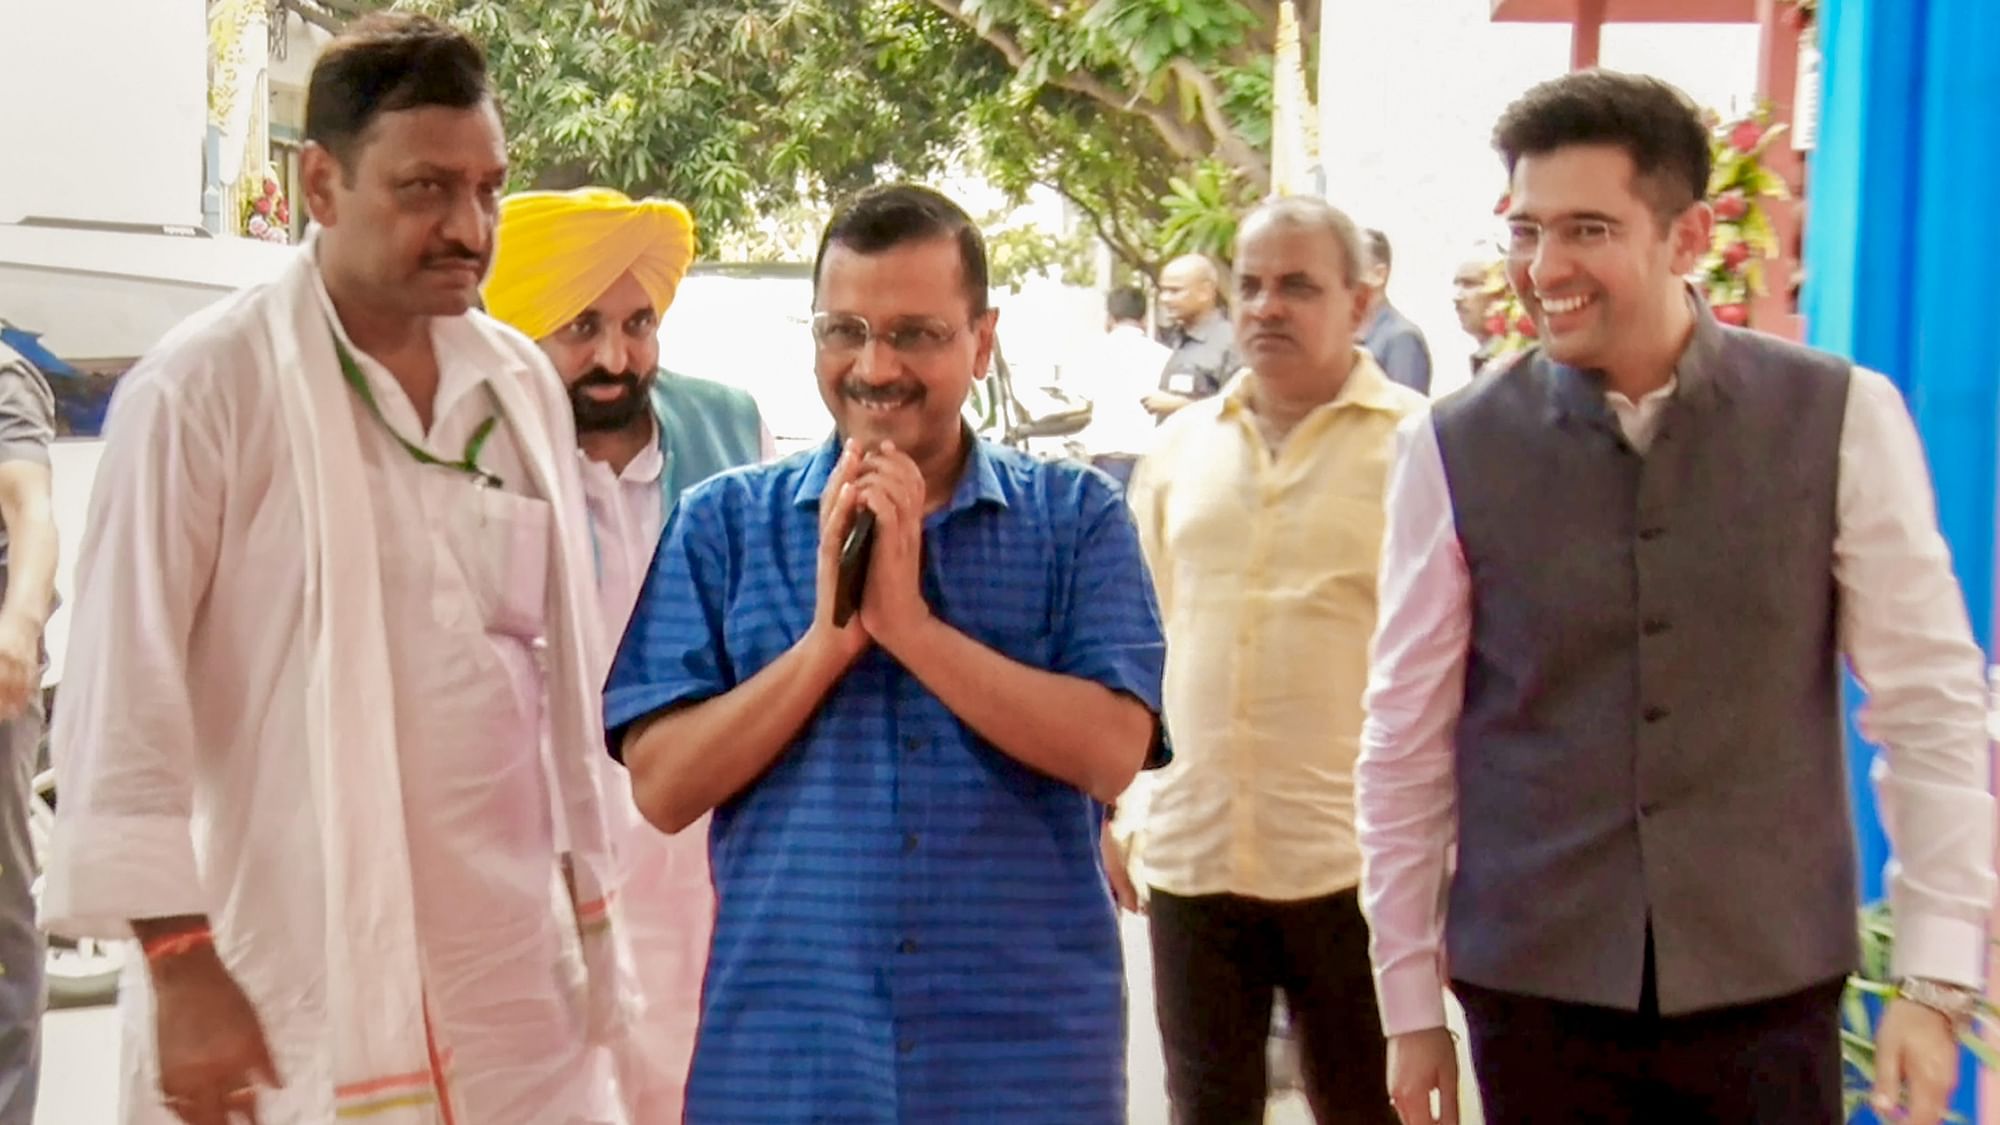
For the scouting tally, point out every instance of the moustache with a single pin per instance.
(906, 392)
(599, 377)
(454, 256)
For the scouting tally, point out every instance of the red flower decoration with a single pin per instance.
(1735, 255)
(262, 205)
(1744, 137)
(1731, 206)
(1525, 325)
(1737, 315)
(1496, 325)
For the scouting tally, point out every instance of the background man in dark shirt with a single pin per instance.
(1393, 339)
(1203, 340)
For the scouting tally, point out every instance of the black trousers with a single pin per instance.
(1775, 1062)
(1218, 961)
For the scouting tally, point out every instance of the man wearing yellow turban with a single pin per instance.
(588, 274)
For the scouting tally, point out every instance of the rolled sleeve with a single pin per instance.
(27, 414)
(119, 868)
(673, 651)
(1112, 634)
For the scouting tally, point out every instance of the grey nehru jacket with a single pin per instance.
(1652, 728)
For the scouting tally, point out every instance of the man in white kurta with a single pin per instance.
(588, 273)
(255, 517)
(189, 601)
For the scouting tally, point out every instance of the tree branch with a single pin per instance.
(1117, 240)
(313, 16)
(1185, 142)
(1229, 144)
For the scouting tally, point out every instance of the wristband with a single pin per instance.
(176, 945)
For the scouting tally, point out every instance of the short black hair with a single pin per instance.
(892, 215)
(383, 63)
(1655, 123)
(1127, 302)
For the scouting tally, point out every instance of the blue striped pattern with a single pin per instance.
(913, 927)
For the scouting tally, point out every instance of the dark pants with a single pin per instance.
(21, 952)
(1775, 1062)
(1218, 960)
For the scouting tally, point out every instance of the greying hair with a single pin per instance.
(1312, 212)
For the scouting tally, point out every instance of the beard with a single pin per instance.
(597, 415)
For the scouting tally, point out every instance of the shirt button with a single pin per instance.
(909, 842)
(1651, 533)
(1653, 714)
(907, 1046)
(908, 945)
(912, 745)
(1654, 626)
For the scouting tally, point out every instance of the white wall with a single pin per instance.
(1409, 92)
(102, 109)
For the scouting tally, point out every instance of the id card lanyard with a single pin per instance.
(467, 464)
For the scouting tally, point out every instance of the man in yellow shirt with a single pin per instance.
(1261, 514)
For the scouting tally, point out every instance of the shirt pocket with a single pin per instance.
(501, 543)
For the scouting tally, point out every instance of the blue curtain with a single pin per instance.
(1902, 262)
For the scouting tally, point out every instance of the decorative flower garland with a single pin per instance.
(267, 214)
(1740, 190)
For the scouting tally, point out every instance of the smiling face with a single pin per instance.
(409, 220)
(1296, 313)
(1593, 261)
(899, 346)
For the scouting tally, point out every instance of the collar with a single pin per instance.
(978, 484)
(455, 378)
(1366, 388)
(1377, 318)
(1700, 377)
(645, 467)
(1202, 329)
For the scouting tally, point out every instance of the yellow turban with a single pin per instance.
(555, 252)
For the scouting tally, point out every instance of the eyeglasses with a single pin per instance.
(1524, 237)
(846, 334)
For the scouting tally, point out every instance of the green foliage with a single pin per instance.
(748, 108)
(1016, 254)
(1202, 210)
(1870, 988)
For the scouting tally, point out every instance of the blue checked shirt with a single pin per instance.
(912, 926)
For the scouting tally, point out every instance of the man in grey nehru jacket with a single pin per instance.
(1617, 585)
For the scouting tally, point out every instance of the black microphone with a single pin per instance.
(855, 551)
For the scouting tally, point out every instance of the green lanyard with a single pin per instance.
(468, 464)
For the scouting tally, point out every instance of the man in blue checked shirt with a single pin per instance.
(913, 924)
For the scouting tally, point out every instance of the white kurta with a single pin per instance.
(668, 894)
(181, 732)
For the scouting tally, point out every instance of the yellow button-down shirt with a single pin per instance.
(1265, 565)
